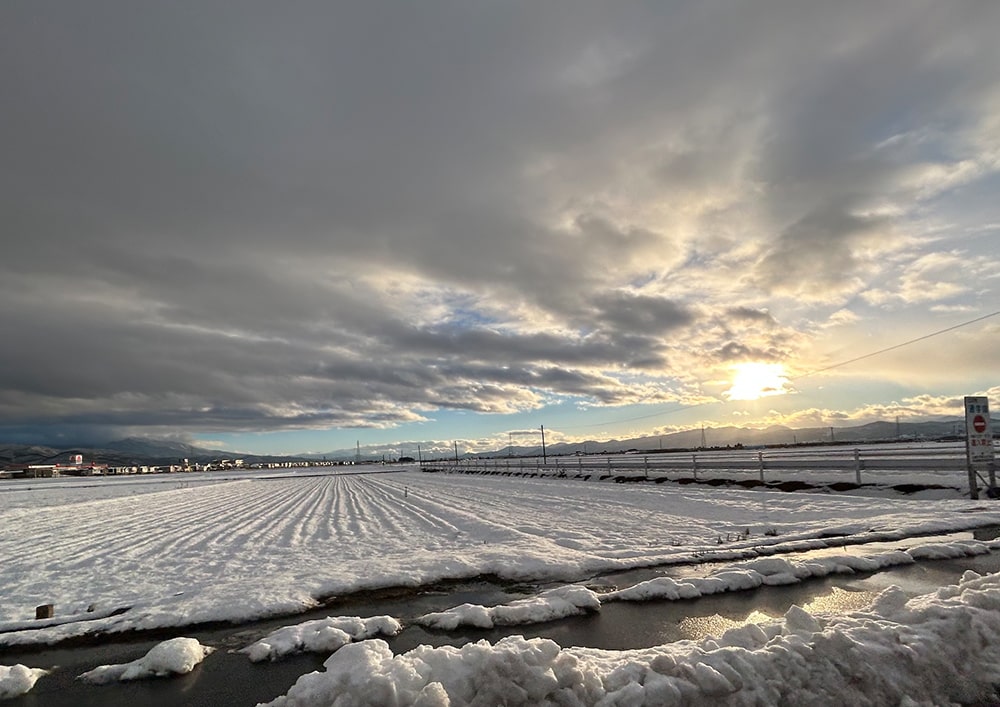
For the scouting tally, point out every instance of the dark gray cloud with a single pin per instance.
(749, 314)
(735, 351)
(818, 253)
(625, 313)
(273, 216)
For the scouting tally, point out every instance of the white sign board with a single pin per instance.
(978, 435)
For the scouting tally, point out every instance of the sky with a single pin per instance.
(293, 227)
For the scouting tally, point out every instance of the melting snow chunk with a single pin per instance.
(18, 679)
(320, 636)
(549, 605)
(174, 657)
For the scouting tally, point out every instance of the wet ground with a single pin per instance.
(229, 678)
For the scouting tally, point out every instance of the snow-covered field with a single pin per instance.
(114, 555)
(244, 548)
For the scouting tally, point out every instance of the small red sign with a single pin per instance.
(979, 423)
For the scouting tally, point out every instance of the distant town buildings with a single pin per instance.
(78, 467)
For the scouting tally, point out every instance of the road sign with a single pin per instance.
(979, 437)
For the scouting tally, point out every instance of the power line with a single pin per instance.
(896, 346)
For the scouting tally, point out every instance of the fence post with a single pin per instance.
(579, 461)
(857, 466)
(760, 465)
(694, 465)
(645, 462)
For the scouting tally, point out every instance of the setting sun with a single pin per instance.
(757, 380)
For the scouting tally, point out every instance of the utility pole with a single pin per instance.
(357, 455)
(456, 451)
(544, 457)
(510, 444)
(831, 435)
(420, 457)
(704, 444)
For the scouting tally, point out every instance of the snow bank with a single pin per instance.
(18, 679)
(772, 571)
(321, 635)
(547, 606)
(947, 551)
(767, 571)
(935, 649)
(174, 657)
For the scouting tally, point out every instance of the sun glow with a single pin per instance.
(757, 380)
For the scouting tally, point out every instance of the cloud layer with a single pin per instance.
(299, 216)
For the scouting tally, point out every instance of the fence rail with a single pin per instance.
(863, 464)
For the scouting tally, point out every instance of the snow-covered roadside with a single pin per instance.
(935, 649)
(243, 550)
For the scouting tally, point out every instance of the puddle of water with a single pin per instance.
(985, 534)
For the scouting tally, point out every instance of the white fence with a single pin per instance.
(925, 463)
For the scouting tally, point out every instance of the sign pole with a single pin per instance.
(973, 484)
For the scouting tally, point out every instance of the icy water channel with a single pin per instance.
(229, 678)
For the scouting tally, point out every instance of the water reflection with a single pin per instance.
(836, 600)
(695, 627)
(840, 601)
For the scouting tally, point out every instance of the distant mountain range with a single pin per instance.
(751, 437)
(137, 450)
(126, 452)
